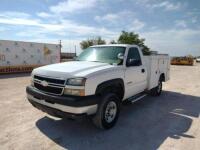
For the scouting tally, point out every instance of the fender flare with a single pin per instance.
(110, 83)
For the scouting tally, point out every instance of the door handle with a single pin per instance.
(143, 70)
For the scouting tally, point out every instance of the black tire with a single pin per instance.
(157, 90)
(100, 119)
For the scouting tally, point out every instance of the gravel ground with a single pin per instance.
(170, 121)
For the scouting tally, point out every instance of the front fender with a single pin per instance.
(94, 82)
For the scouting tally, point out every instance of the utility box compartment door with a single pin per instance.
(156, 65)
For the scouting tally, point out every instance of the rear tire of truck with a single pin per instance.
(108, 112)
(157, 90)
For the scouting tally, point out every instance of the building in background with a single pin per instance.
(67, 56)
(18, 56)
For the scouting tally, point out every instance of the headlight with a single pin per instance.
(75, 86)
(76, 81)
(76, 92)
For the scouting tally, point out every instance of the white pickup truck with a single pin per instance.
(97, 82)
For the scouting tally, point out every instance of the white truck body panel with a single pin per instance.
(156, 65)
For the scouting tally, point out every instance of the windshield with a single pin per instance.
(107, 54)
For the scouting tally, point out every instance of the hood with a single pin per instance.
(71, 69)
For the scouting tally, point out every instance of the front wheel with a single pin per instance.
(108, 112)
(157, 90)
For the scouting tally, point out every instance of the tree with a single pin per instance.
(132, 38)
(90, 42)
(113, 42)
(99, 41)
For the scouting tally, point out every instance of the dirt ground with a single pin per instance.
(169, 122)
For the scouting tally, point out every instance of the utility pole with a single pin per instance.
(75, 50)
(60, 46)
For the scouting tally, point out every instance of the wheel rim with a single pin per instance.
(111, 111)
(159, 87)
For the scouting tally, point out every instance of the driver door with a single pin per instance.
(135, 74)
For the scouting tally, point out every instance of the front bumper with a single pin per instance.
(61, 106)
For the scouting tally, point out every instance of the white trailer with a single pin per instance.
(18, 56)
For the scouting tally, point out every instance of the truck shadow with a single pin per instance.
(143, 125)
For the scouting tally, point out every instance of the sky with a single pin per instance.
(169, 26)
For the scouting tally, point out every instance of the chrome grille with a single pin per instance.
(50, 80)
(52, 85)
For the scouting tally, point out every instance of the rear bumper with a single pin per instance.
(60, 106)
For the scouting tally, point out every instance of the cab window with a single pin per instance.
(133, 58)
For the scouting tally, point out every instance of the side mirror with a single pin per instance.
(120, 56)
(133, 62)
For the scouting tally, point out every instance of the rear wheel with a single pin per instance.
(157, 90)
(108, 112)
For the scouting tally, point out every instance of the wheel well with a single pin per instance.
(162, 77)
(112, 86)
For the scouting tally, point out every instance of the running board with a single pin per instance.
(136, 97)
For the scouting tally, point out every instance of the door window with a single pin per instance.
(133, 58)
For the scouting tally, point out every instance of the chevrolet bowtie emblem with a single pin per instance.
(44, 83)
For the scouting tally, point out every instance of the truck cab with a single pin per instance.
(97, 83)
